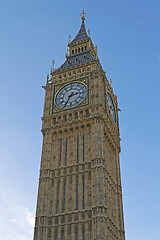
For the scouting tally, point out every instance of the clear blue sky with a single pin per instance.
(35, 32)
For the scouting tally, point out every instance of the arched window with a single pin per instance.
(76, 115)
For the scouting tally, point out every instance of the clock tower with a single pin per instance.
(80, 196)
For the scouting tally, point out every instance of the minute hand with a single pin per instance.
(67, 101)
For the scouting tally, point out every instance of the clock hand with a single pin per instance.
(71, 95)
(66, 102)
(68, 99)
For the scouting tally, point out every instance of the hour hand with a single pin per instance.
(66, 102)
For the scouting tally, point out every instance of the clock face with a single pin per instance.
(71, 95)
(110, 106)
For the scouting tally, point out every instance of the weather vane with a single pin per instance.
(83, 15)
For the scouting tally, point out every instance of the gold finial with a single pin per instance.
(110, 81)
(83, 15)
(89, 32)
(69, 39)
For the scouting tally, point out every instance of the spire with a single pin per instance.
(82, 34)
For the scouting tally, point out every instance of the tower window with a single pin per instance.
(83, 195)
(83, 148)
(82, 49)
(78, 49)
(60, 153)
(64, 196)
(76, 115)
(77, 149)
(66, 152)
(58, 197)
(72, 51)
(65, 118)
(85, 48)
(75, 50)
(83, 235)
(87, 113)
(76, 238)
(77, 195)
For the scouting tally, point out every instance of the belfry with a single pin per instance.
(79, 195)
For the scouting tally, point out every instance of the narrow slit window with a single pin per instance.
(83, 195)
(58, 197)
(64, 197)
(83, 148)
(60, 153)
(66, 152)
(62, 236)
(76, 238)
(77, 195)
(77, 149)
(83, 235)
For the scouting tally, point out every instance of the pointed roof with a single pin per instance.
(80, 58)
(82, 34)
(76, 61)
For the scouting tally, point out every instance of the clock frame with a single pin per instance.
(58, 87)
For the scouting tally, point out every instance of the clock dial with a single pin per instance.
(71, 95)
(110, 106)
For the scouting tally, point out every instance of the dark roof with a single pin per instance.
(82, 35)
(75, 61)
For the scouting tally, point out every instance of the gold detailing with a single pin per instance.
(83, 15)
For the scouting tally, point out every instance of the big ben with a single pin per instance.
(79, 195)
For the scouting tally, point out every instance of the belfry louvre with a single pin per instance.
(79, 196)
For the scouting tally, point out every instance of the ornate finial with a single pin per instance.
(110, 81)
(69, 39)
(89, 32)
(52, 68)
(83, 15)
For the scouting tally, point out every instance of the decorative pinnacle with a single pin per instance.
(110, 81)
(69, 39)
(89, 32)
(52, 68)
(83, 15)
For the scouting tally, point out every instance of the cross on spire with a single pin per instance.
(83, 15)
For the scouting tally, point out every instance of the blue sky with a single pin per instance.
(127, 34)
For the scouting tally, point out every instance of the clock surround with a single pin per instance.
(83, 94)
